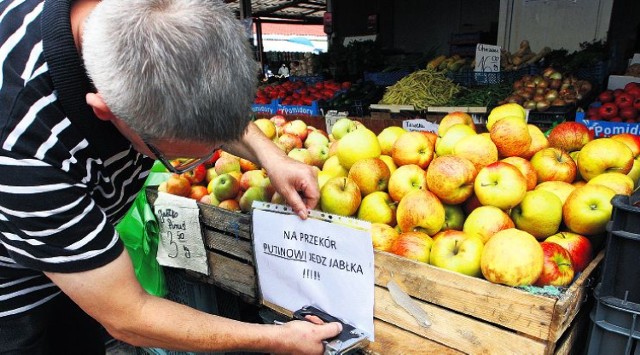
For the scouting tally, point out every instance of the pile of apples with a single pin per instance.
(619, 105)
(509, 205)
(298, 93)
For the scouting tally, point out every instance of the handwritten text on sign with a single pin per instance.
(312, 262)
(487, 58)
(181, 244)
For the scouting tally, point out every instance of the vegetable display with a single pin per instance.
(422, 88)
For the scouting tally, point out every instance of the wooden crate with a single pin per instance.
(469, 315)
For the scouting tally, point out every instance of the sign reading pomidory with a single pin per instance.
(314, 262)
(607, 129)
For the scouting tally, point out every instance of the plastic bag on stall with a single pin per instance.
(138, 231)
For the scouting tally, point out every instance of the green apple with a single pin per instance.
(446, 143)
(342, 127)
(453, 217)
(378, 207)
(485, 221)
(254, 193)
(225, 187)
(316, 138)
(357, 145)
(457, 251)
(539, 213)
(341, 196)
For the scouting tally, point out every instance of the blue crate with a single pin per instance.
(307, 79)
(386, 78)
(270, 109)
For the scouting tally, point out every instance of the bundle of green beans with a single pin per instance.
(422, 88)
(482, 96)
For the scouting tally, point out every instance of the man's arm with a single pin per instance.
(297, 182)
(112, 295)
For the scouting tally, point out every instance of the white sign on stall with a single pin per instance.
(487, 58)
(314, 262)
(420, 124)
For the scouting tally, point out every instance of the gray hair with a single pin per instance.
(172, 69)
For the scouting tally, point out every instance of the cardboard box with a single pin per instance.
(607, 129)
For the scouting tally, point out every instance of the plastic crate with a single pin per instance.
(386, 78)
(615, 327)
(596, 74)
(620, 274)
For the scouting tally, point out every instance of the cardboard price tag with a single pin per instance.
(181, 244)
(315, 262)
(487, 58)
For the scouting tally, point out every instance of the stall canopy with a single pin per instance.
(299, 11)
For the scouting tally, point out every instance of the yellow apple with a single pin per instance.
(506, 110)
(526, 169)
(323, 177)
(406, 179)
(342, 127)
(316, 137)
(420, 211)
(512, 257)
(560, 188)
(267, 127)
(620, 183)
(370, 174)
(604, 155)
(319, 154)
(383, 236)
(357, 145)
(341, 196)
(501, 185)
(457, 251)
(412, 148)
(387, 159)
(300, 154)
(634, 173)
(478, 148)
(485, 221)
(388, 136)
(456, 117)
(588, 208)
(553, 164)
(378, 207)
(538, 141)
(446, 143)
(511, 136)
(451, 178)
(413, 245)
(539, 213)
(332, 167)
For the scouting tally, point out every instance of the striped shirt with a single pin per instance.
(65, 176)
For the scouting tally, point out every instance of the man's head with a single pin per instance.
(171, 69)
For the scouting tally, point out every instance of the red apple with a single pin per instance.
(556, 268)
(608, 110)
(578, 246)
(296, 127)
(198, 191)
(570, 136)
(177, 185)
(196, 175)
(636, 103)
(606, 96)
(278, 120)
(413, 245)
(628, 113)
(624, 100)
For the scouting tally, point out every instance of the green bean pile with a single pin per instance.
(482, 96)
(422, 88)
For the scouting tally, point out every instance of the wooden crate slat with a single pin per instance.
(506, 306)
(393, 340)
(237, 224)
(458, 331)
(233, 276)
(238, 247)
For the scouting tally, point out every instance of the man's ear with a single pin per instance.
(99, 107)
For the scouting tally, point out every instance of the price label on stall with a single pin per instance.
(315, 262)
(487, 58)
(181, 244)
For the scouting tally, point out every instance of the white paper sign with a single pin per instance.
(420, 124)
(487, 58)
(313, 262)
(181, 244)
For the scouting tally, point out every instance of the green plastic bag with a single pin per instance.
(138, 231)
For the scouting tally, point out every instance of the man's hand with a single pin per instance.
(297, 183)
(306, 337)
